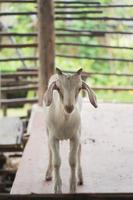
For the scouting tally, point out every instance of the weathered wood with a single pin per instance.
(79, 196)
(19, 88)
(95, 31)
(35, 87)
(18, 59)
(93, 45)
(49, 72)
(78, 2)
(17, 13)
(95, 6)
(95, 58)
(46, 44)
(18, 1)
(19, 74)
(11, 148)
(95, 18)
(84, 74)
(11, 130)
(96, 34)
(113, 88)
(17, 101)
(18, 45)
(79, 12)
(106, 152)
(56, 12)
(18, 34)
(6, 172)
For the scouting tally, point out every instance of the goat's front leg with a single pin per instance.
(74, 145)
(80, 176)
(54, 144)
(48, 176)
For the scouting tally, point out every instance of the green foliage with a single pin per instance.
(27, 24)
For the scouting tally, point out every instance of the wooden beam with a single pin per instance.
(94, 58)
(46, 44)
(19, 88)
(77, 2)
(17, 101)
(85, 196)
(17, 1)
(18, 59)
(93, 31)
(95, 6)
(17, 13)
(18, 34)
(95, 18)
(33, 45)
(78, 196)
(66, 44)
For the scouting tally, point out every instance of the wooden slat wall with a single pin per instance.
(96, 8)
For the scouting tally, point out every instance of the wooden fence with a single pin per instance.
(26, 79)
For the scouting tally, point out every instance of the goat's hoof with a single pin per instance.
(48, 175)
(57, 190)
(73, 188)
(80, 182)
(49, 178)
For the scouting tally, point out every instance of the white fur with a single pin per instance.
(62, 126)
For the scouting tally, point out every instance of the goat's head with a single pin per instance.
(69, 87)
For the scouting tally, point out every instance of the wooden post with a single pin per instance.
(46, 44)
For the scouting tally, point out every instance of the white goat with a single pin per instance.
(62, 108)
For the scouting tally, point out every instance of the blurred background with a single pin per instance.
(93, 35)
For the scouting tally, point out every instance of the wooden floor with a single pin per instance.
(107, 152)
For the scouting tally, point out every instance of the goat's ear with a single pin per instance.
(91, 94)
(59, 72)
(48, 96)
(79, 71)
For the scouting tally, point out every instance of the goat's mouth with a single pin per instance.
(69, 109)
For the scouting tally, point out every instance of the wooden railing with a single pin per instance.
(28, 78)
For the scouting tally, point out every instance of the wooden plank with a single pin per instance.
(94, 58)
(46, 44)
(96, 18)
(11, 130)
(17, 13)
(11, 148)
(95, 6)
(79, 196)
(18, 34)
(18, 59)
(66, 44)
(77, 2)
(34, 87)
(18, 100)
(93, 31)
(19, 88)
(17, 1)
(18, 45)
(19, 74)
(84, 74)
(106, 152)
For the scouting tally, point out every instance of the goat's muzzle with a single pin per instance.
(69, 108)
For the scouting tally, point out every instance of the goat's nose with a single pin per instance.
(69, 108)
